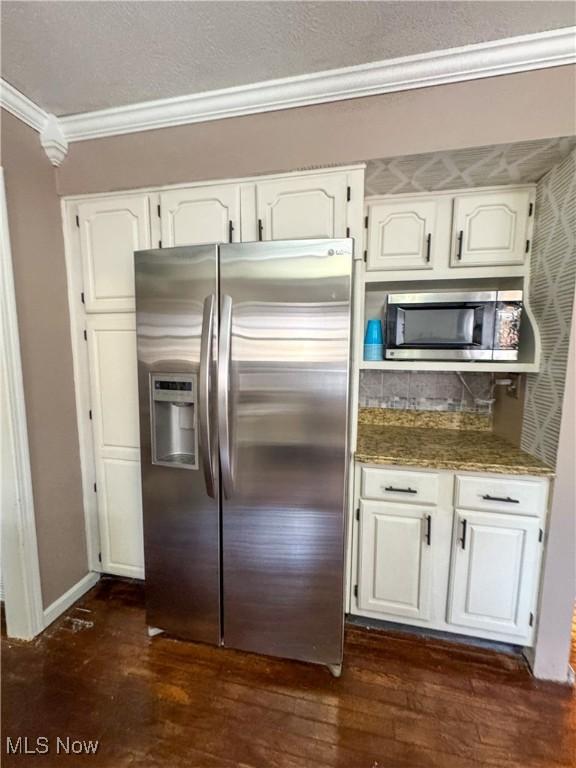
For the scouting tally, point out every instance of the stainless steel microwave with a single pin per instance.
(482, 325)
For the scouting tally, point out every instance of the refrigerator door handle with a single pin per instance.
(204, 393)
(223, 397)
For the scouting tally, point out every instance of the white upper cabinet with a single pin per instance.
(490, 228)
(447, 234)
(110, 231)
(302, 206)
(402, 234)
(394, 574)
(207, 214)
(494, 567)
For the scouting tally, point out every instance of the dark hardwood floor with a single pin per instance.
(401, 700)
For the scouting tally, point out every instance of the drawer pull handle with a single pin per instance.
(399, 490)
(464, 527)
(429, 529)
(508, 499)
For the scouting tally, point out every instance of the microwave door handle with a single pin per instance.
(204, 393)
(224, 438)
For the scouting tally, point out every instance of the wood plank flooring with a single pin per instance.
(402, 701)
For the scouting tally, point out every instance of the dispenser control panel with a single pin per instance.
(174, 420)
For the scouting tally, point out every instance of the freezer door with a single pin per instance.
(282, 399)
(177, 321)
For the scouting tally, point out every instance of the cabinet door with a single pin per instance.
(114, 401)
(490, 229)
(300, 207)
(402, 235)
(200, 215)
(395, 559)
(110, 231)
(494, 566)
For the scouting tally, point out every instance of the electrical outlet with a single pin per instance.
(515, 387)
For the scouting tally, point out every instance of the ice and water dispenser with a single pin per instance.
(174, 420)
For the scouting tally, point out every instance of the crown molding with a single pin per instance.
(21, 106)
(500, 57)
(52, 138)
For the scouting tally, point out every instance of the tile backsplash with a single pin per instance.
(430, 391)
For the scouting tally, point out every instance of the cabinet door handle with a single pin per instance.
(399, 490)
(428, 529)
(260, 229)
(507, 499)
(460, 239)
(428, 247)
(464, 527)
(230, 231)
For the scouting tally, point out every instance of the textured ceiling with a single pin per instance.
(78, 56)
(519, 163)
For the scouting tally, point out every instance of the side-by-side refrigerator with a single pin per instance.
(243, 376)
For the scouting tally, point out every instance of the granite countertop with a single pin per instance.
(440, 441)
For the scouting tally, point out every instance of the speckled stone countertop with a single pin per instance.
(438, 440)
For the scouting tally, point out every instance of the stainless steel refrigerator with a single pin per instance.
(243, 376)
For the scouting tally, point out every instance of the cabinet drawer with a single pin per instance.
(527, 497)
(397, 485)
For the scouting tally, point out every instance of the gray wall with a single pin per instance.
(511, 108)
(553, 279)
(40, 282)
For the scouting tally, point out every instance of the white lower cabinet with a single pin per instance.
(472, 571)
(114, 399)
(495, 560)
(395, 559)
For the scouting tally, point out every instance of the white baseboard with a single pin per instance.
(64, 602)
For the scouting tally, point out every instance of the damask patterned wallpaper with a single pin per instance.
(518, 163)
(553, 281)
